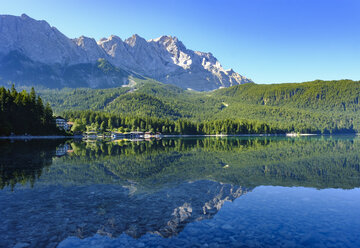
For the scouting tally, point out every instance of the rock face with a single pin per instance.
(90, 48)
(165, 59)
(38, 41)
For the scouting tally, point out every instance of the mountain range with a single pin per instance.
(34, 53)
(150, 78)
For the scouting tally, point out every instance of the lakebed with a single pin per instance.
(229, 191)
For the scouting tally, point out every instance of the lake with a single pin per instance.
(181, 192)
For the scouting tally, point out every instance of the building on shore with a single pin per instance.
(62, 123)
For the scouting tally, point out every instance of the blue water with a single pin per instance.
(267, 217)
(207, 192)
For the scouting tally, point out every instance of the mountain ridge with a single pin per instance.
(165, 59)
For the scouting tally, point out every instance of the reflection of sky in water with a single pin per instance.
(181, 193)
(266, 217)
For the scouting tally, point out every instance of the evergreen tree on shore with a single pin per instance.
(24, 113)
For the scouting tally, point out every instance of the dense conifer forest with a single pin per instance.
(24, 113)
(312, 107)
(100, 121)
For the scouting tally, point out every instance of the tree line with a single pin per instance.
(24, 113)
(102, 121)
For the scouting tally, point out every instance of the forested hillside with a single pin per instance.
(318, 106)
(340, 95)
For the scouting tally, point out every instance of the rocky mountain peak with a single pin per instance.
(230, 71)
(170, 43)
(166, 39)
(115, 38)
(84, 41)
(117, 52)
(165, 59)
(135, 40)
(25, 17)
(111, 41)
(90, 48)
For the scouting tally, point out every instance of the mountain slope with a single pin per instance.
(312, 105)
(38, 41)
(332, 96)
(48, 53)
(18, 68)
(337, 95)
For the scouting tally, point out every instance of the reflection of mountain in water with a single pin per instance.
(157, 186)
(203, 200)
(50, 214)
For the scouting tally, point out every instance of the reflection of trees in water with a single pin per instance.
(234, 166)
(100, 149)
(315, 162)
(23, 161)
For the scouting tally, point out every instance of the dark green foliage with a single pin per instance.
(341, 95)
(144, 105)
(81, 99)
(318, 106)
(180, 126)
(23, 162)
(312, 107)
(22, 112)
(311, 162)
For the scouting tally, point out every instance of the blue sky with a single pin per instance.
(269, 41)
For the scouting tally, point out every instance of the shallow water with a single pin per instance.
(193, 192)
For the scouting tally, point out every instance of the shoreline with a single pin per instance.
(219, 135)
(29, 137)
